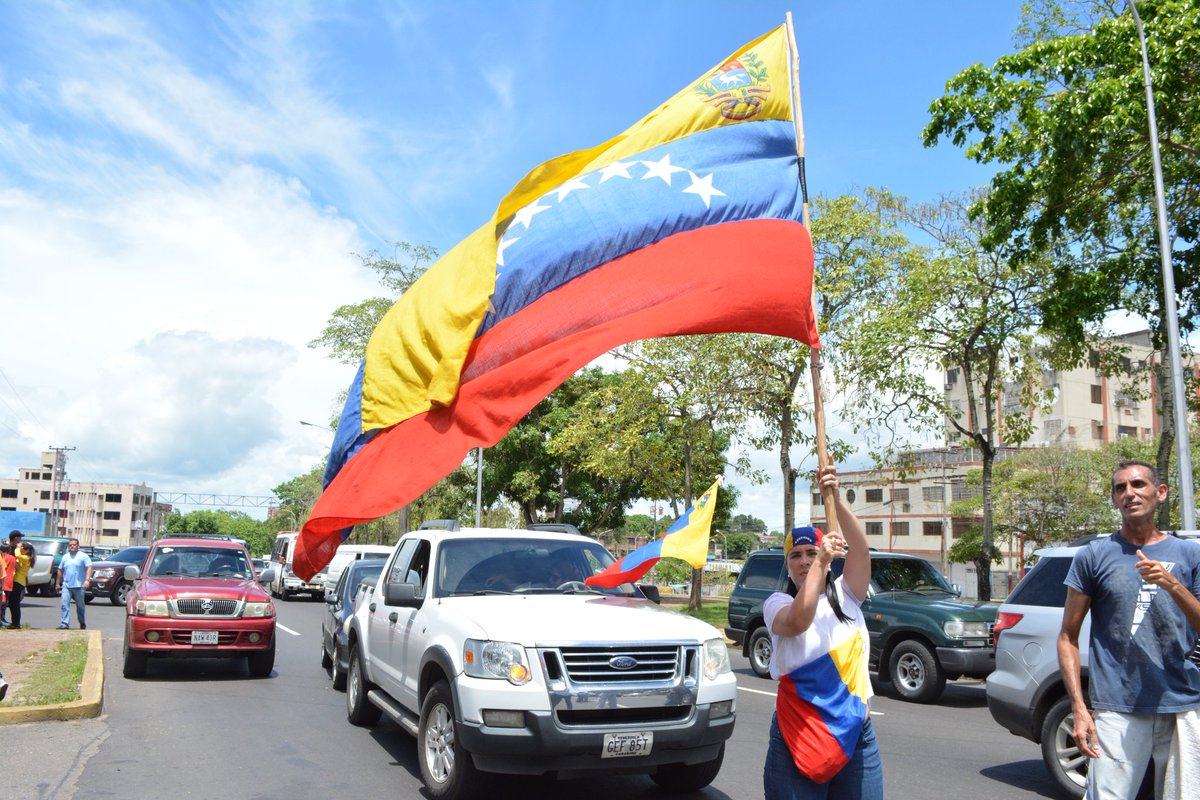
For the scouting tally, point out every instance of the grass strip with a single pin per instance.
(57, 678)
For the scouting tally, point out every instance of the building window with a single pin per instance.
(110, 532)
(1097, 430)
(44, 495)
(959, 490)
(933, 494)
(1097, 396)
(874, 529)
(931, 528)
(960, 525)
(112, 514)
(900, 495)
(816, 499)
(899, 529)
(874, 495)
(951, 377)
(1126, 432)
(8, 493)
(112, 498)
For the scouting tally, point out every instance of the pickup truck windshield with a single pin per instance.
(517, 565)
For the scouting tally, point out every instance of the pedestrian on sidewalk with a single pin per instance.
(74, 579)
(8, 565)
(26, 557)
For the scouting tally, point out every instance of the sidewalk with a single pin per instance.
(16, 650)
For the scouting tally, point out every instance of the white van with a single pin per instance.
(348, 553)
(286, 582)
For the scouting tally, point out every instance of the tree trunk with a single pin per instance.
(983, 564)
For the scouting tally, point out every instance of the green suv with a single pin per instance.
(922, 634)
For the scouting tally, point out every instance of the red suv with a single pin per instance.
(199, 597)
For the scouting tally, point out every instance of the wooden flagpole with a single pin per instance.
(823, 460)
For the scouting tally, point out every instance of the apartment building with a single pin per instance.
(113, 514)
(1087, 408)
(907, 510)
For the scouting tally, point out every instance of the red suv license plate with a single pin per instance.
(204, 637)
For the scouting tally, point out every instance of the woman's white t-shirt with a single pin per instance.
(824, 634)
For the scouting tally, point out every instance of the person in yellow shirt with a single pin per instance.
(26, 558)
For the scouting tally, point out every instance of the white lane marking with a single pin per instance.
(286, 629)
(772, 694)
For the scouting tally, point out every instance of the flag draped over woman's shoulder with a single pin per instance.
(686, 223)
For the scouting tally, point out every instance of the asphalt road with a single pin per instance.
(206, 729)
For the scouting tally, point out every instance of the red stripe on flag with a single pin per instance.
(752, 276)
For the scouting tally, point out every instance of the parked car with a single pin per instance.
(339, 604)
(347, 554)
(1025, 693)
(921, 633)
(286, 583)
(50, 550)
(108, 575)
(97, 552)
(198, 597)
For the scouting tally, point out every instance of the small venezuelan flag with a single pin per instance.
(687, 538)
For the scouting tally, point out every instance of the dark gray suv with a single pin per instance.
(921, 633)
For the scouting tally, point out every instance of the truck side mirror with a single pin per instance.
(401, 594)
(132, 572)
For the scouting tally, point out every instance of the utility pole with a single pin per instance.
(60, 466)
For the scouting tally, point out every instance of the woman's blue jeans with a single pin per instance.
(860, 779)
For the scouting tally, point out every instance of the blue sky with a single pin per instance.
(183, 186)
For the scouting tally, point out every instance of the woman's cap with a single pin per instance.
(805, 534)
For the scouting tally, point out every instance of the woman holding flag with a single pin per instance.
(822, 744)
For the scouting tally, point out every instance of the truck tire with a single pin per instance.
(135, 662)
(679, 778)
(120, 594)
(446, 768)
(359, 710)
(916, 673)
(261, 662)
(1066, 765)
(759, 649)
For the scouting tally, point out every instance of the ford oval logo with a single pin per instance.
(623, 662)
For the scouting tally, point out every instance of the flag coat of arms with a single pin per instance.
(689, 222)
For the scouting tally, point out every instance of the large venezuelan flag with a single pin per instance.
(686, 223)
(687, 538)
(821, 707)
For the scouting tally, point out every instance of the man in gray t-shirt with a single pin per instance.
(1143, 590)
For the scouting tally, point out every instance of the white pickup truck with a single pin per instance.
(487, 646)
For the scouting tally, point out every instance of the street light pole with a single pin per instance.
(1187, 505)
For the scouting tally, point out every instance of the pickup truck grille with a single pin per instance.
(620, 664)
(204, 607)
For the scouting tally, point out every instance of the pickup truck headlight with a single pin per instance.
(487, 659)
(957, 629)
(258, 610)
(104, 572)
(153, 608)
(716, 658)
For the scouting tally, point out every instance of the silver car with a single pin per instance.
(1025, 693)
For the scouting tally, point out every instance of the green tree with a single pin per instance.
(349, 327)
(745, 522)
(960, 307)
(1065, 119)
(256, 534)
(665, 423)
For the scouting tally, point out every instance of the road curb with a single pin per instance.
(91, 693)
